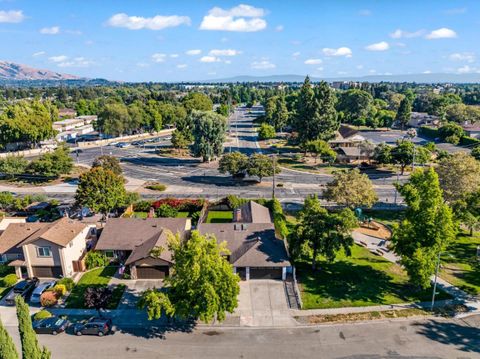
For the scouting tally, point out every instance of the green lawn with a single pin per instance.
(98, 277)
(219, 217)
(388, 217)
(363, 279)
(183, 215)
(460, 265)
(4, 270)
(141, 215)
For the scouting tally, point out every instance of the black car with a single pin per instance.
(23, 289)
(52, 325)
(94, 326)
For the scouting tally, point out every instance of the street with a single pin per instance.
(398, 339)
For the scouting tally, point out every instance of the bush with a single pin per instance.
(187, 205)
(95, 259)
(142, 206)
(266, 132)
(43, 314)
(156, 187)
(60, 290)
(476, 153)
(48, 299)
(67, 282)
(166, 211)
(10, 280)
(453, 139)
(235, 201)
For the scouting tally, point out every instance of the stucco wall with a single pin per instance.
(74, 250)
(35, 260)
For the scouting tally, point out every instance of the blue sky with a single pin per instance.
(157, 40)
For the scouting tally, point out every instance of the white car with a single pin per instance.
(112, 143)
(124, 145)
(42, 287)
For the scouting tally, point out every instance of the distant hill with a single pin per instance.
(17, 72)
(418, 78)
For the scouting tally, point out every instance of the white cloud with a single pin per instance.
(241, 18)
(193, 52)
(296, 54)
(279, 28)
(39, 53)
(463, 56)
(59, 58)
(372, 71)
(209, 59)
(379, 46)
(12, 16)
(341, 51)
(427, 72)
(143, 64)
(159, 57)
(73, 32)
(65, 61)
(365, 12)
(225, 52)
(319, 68)
(54, 30)
(174, 56)
(228, 62)
(456, 11)
(399, 34)
(182, 66)
(262, 65)
(466, 69)
(442, 33)
(313, 61)
(359, 67)
(342, 72)
(157, 22)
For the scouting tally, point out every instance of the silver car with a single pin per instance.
(42, 287)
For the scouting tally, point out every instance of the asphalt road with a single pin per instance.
(400, 339)
(191, 178)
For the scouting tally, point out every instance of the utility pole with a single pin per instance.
(273, 183)
(435, 281)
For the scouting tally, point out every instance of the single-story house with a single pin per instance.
(255, 251)
(46, 249)
(131, 241)
(419, 119)
(472, 130)
(252, 212)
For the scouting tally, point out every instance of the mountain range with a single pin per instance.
(12, 71)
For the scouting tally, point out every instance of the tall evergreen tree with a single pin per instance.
(7, 347)
(209, 130)
(30, 347)
(404, 112)
(280, 117)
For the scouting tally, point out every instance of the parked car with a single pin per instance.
(52, 325)
(42, 287)
(94, 326)
(124, 145)
(23, 289)
(113, 143)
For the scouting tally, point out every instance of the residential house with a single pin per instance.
(47, 249)
(11, 253)
(472, 130)
(419, 119)
(131, 241)
(349, 145)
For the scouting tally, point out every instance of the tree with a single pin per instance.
(223, 110)
(197, 101)
(266, 131)
(108, 163)
(402, 154)
(323, 232)
(113, 119)
(202, 284)
(6, 199)
(208, 133)
(97, 297)
(355, 104)
(280, 115)
(13, 165)
(467, 210)
(383, 154)
(234, 163)
(476, 153)
(322, 149)
(404, 112)
(315, 116)
(427, 229)
(261, 166)
(351, 189)
(179, 141)
(451, 132)
(459, 175)
(30, 346)
(101, 190)
(7, 347)
(52, 164)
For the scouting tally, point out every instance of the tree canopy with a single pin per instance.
(209, 130)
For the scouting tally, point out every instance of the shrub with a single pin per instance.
(67, 282)
(142, 206)
(43, 314)
(60, 290)
(157, 187)
(187, 205)
(166, 211)
(235, 201)
(48, 299)
(266, 131)
(95, 259)
(10, 280)
(476, 153)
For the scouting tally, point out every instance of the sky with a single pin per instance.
(158, 40)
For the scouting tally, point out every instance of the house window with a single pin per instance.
(44, 252)
(109, 254)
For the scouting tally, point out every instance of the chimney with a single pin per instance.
(151, 213)
(237, 215)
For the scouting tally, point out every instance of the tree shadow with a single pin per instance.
(162, 161)
(219, 181)
(157, 328)
(465, 338)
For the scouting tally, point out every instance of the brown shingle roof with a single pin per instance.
(143, 250)
(128, 233)
(253, 246)
(16, 233)
(252, 212)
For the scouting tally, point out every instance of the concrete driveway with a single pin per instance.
(134, 291)
(263, 303)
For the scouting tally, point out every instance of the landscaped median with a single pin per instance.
(95, 278)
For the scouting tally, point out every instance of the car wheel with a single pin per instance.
(100, 334)
(54, 332)
(79, 333)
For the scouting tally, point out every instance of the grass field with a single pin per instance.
(360, 280)
(98, 277)
(4, 270)
(460, 265)
(219, 217)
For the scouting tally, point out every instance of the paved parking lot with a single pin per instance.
(263, 303)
